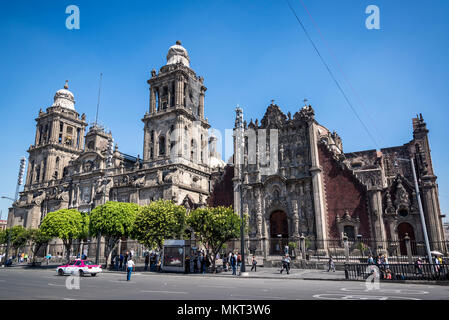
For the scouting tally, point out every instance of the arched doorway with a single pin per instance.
(278, 231)
(403, 229)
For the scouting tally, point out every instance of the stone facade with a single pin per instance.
(318, 191)
(296, 179)
(71, 169)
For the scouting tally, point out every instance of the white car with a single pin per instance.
(79, 267)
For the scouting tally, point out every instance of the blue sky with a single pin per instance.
(248, 51)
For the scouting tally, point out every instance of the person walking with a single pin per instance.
(239, 261)
(286, 264)
(187, 266)
(233, 262)
(121, 261)
(331, 264)
(254, 264)
(207, 263)
(131, 266)
(147, 261)
(202, 263)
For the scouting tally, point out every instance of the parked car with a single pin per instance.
(79, 267)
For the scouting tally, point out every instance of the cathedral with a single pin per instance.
(289, 174)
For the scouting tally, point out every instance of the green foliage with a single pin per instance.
(159, 220)
(3, 237)
(113, 219)
(292, 245)
(215, 226)
(66, 224)
(19, 236)
(39, 239)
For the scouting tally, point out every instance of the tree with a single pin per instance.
(39, 239)
(19, 237)
(215, 226)
(159, 220)
(65, 224)
(114, 220)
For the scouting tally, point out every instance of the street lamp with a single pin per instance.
(421, 213)
(16, 197)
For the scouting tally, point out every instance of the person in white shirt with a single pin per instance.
(130, 267)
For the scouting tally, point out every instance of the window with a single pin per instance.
(162, 146)
(78, 263)
(403, 212)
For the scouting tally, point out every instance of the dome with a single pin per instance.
(178, 54)
(215, 162)
(64, 98)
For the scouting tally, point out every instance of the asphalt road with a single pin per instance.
(17, 283)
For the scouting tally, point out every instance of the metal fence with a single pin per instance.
(399, 271)
(354, 251)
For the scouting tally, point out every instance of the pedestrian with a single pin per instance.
(239, 261)
(125, 259)
(370, 259)
(195, 264)
(418, 266)
(286, 249)
(254, 264)
(117, 261)
(286, 264)
(187, 266)
(26, 257)
(121, 261)
(202, 263)
(147, 261)
(331, 264)
(208, 263)
(388, 274)
(233, 262)
(131, 266)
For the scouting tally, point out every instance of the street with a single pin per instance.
(38, 284)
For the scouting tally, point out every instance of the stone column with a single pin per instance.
(432, 213)
(201, 105)
(38, 135)
(146, 142)
(318, 194)
(375, 200)
(152, 100)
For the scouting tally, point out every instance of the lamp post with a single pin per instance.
(16, 197)
(421, 212)
(105, 182)
(240, 143)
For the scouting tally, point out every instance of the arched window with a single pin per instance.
(162, 146)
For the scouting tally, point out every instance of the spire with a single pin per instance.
(66, 85)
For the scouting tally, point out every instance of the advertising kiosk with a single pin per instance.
(174, 255)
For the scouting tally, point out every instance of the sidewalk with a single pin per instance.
(262, 273)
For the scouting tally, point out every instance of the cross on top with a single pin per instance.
(272, 101)
(305, 101)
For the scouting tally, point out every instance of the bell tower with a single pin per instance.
(175, 128)
(59, 138)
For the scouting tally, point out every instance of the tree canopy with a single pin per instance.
(114, 220)
(65, 224)
(215, 226)
(159, 220)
